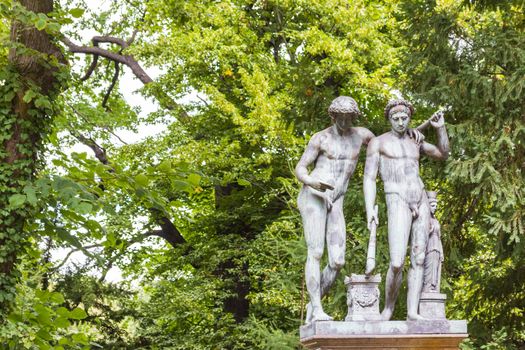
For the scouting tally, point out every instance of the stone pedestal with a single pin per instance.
(432, 306)
(362, 297)
(385, 335)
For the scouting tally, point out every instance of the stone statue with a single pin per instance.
(434, 250)
(396, 155)
(333, 152)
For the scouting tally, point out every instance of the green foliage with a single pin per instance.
(470, 56)
(264, 74)
(40, 320)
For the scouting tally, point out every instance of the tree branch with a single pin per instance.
(100, 152)
(83, 117)
(68, 255)
(109, 39)
(164, 99)
(112, 85)
(91, 68)
(128, 60)
(168, 231)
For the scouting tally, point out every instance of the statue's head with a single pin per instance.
(432, 201)
(344, 111)
(398, 113)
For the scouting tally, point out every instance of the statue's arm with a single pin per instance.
(423, 126)
(309, 156)
(369, 181)
(443, 147)
(366, 135)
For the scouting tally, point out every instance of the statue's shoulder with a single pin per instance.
(364, 133)
(322, 135)
(318, 138)
(382, 139)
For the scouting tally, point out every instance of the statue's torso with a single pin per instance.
(337, 159)
(399, 167)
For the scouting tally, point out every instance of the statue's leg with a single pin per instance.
(313, 211)
(419, 240)
(399, 223)
(336, 245)
(428, 274)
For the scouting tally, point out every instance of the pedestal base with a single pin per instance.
(386, 335)
(362, 297)
(432, 305)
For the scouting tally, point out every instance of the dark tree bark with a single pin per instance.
(229, 270)
(24, 127)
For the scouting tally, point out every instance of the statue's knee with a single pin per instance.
(338, 264)
(396, 267)
(315, 253)
(419, 259)
(418, 254)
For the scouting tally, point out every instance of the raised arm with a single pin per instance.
(369, 181)
(441, 151)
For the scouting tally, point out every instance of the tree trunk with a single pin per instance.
(32, 66)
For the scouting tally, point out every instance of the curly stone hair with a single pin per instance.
(404, 105)
(343, 104)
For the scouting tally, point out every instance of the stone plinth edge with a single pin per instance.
(431, 334)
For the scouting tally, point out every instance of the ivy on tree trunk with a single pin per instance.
(31, 82)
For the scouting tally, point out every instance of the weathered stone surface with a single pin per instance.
(332, 155)
(435, 334)
(432, 305)
(362, 297)
(394, 155)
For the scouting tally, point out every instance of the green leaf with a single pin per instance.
(17, 200)
(84, 208)
(194, 179)
(80, 338)
(165, 166)
(43, 103)
(141, 180)
(9, 96)
(64, 341)
(14, 317)
(77, 12)
(42, 295)
(181, 185)
(44, 334)
(29, 95)
(44, 314)
(62, 311)
(40, 24)
(244, 182)
(31, 195)
(62, 322)
(77, 314)
(56, 297)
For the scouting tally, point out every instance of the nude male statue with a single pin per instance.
(434, 250)
(333, 152)
(396, 155)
